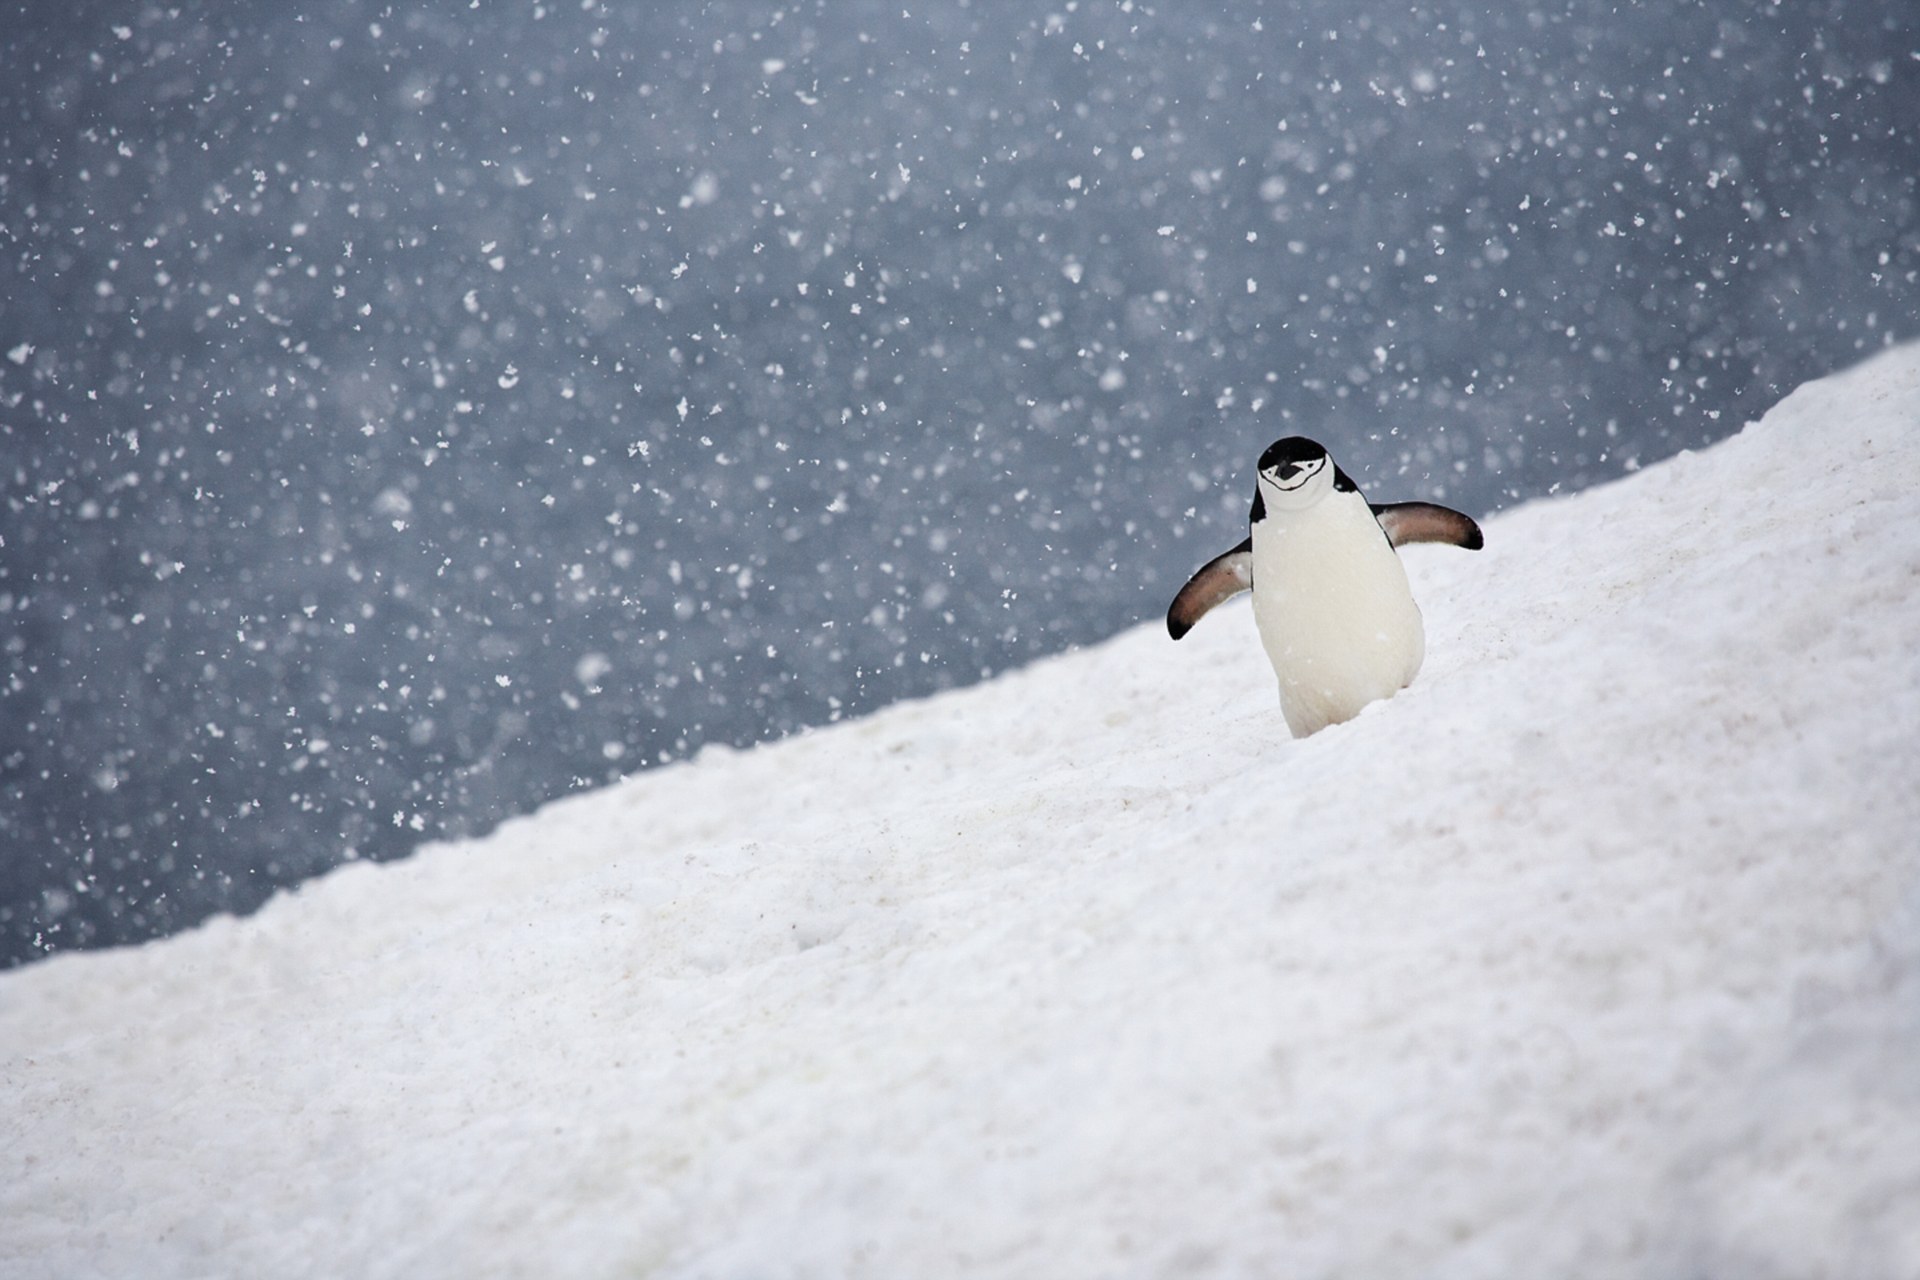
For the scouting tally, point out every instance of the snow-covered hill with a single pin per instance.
(1596, 952)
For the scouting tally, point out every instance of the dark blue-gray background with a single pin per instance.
(412, 413)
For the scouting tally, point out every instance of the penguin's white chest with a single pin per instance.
(1335, 613)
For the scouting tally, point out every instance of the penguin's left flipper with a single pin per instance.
(1221, 578)
(1405, 522)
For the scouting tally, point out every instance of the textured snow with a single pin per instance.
(1595, 952)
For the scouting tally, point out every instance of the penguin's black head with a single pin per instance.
(1290, 463)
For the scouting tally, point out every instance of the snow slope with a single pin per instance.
(1596, 952)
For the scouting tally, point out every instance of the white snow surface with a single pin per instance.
(1596, 953)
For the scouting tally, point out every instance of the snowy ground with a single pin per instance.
(1596, 952)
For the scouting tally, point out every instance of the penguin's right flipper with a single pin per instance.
(1220, 578)
(1405, 522)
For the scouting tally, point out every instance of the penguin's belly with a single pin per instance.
(1336, 615)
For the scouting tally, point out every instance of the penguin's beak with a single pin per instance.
(1291, 475)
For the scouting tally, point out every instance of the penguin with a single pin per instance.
(1330, 597)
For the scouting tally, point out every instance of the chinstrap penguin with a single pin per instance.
(1330, 597)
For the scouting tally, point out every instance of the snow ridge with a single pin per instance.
(1595, 952)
